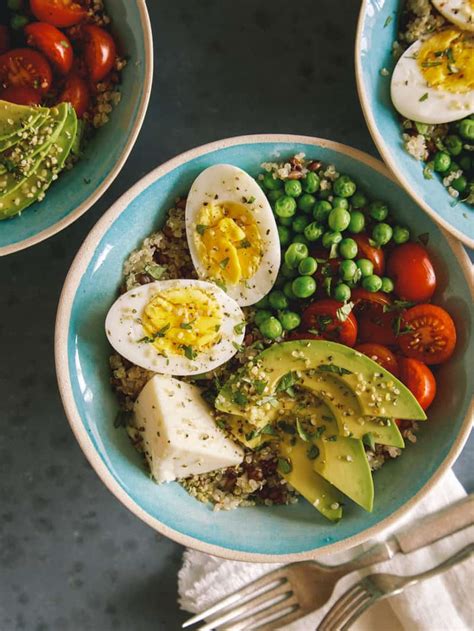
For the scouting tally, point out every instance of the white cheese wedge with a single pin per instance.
(180, 437)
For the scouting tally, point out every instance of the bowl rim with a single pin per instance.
(68, 293)
(100, 190)
(380, 144)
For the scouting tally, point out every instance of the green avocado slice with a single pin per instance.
(14, 117)
(50, 163)
(27, 131)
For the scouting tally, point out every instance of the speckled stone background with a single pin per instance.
(71, 557)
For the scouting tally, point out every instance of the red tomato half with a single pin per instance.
(419, 379)
(370, 252)
(381, 354)
(60, 13)
(76, 92)
(320, 319)
(411, 270)
(22, 95)
(99, 51)
(4, 39)
(375, 326)
(25, 67)
(430, 334)
(54, 45)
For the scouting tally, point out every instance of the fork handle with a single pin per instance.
(436, 526)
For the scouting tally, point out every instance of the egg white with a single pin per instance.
(408, 86)
(226, 183)
(124, 330)
(458, 12)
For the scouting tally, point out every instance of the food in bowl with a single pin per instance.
(432, 88)
(59, 77)
(332, 364)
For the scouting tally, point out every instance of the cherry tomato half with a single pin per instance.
(54, 45)
(412, 272)
(320, 319)
(4, 39)
(374, 324)
(25, 67)
(76, 92)
(370, 252)
(430, 334)
(22, 95)
(99, 51)
(60, 13)
(419, 379)
(380, 354)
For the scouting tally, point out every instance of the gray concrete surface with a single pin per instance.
(71, 557)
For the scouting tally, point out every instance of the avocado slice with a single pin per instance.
(14, 117)
(50, 163)
(302, 476)
(25, 131)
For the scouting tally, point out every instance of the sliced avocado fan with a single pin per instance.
(15, 117)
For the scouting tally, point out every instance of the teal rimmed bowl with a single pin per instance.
(376, 32)
(77, 190)
(258, 533)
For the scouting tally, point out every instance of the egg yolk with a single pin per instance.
(228, 241)
(182, 321)
(446, 60)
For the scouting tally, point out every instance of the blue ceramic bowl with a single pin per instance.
(373, 51)
(258, 533)
(77, 190)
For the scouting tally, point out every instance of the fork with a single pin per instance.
(375, 587)
(293, 591)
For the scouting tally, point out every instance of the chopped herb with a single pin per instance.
(160, 333)
(201, 228)
(424, 97)
(339, 370)
(332, 439)
(431, 64)
(388, 21)
(260, 386)
(238, 347)
(368, 439)
(64, 43)
(397, 327)
(239, 328)
(424, 238)
(217, 328)
(344, 312)
(248, 200)
(245, 243)
(155, 271)
(287, 382)
(224, 263)
(187, 325)
(221, 423)
(398, 305)
(221, 284)
(122, 419)
(320, 430)
(286, 427)
(189, 351)
(284, 465)
(302, 433)
(240, 398)
(313, 452)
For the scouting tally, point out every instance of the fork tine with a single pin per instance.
(357, 613)
(354, 595)
(235, 597)
(282, 589)
(282, 620)
(267, 616)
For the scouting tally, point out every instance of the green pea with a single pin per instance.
(288, 290)
(285, 221)
(348, 249)
(300, 223)
(382, 233)
(277, 299)
(324, 195)
(342, 292)
(18, 22)
(261, 316)
(378, 210)
(331, 238)
(271, 183)
(366, 267)
(347, 269)
(289, 320)
(293, 188)
(358, 200)
(287, 272)
(285, 206)
(454, 166)
(300, 238)
(453, 144)
(339, 219)
(313, 231)
(344, 186)
(274, 195)
(372, 283)
(295, 253)
(308, 266)
(311, 182)
(321, 211)
(262, 303)
(387, 285)
(466, 128)
(284, 234)
(271, 328)
(306, 203)
(401, 235)
(304, 286)
(340, 202)
(466, 163)
(357, 222)
(460, 184)
(442, 161)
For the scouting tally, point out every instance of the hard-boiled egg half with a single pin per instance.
(232, 233)
(459, 12)
(433, 81)
(177, 327)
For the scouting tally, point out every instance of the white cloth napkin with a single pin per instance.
(442, 603)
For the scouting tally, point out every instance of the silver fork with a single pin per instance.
(295, 590)
(375, 587)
